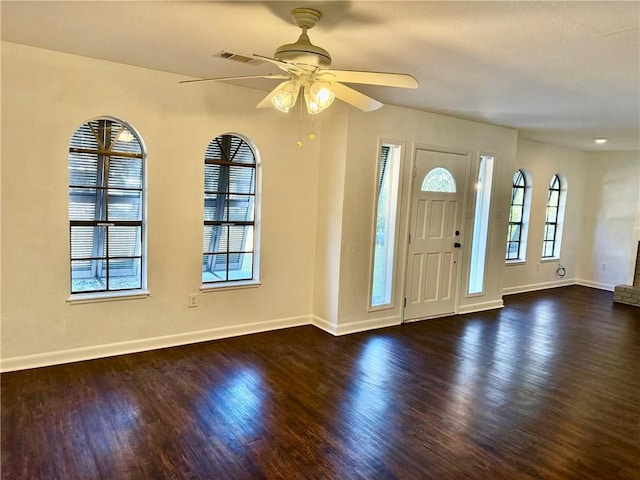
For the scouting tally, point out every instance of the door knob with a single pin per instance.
(457, 245)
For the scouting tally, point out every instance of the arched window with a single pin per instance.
(553, 218)
(106, 207)
(439, 180)
(519, 216)
(230, 210)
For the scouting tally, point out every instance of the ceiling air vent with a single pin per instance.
(238, 58)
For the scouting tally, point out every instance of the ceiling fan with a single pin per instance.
(306, 68)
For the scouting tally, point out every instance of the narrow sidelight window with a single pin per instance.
(385, 231)
(230, 211)
(106, 207)
(481, 225)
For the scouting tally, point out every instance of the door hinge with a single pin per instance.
(404, 304)
(409, 238)
(415, 171)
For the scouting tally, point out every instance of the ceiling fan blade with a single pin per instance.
(286, 66)
(275, 61)
(242, 77)
(355, 98)
(266, 101)
(402, 80)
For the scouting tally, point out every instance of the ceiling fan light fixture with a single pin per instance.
(286, 96)
(318, 97)
(306, 66)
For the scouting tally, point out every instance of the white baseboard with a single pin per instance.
(322, 324)
(134, 346)
(363, 325)
(481, 307)
(598, 285)
(537, 286)
(355, 327)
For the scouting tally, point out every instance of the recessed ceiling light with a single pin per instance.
(600, 140)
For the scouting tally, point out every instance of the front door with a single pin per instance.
(437, 202)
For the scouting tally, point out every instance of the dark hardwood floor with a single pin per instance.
(547, 387)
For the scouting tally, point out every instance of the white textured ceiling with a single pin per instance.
(559, 72)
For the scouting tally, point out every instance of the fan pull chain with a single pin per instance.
(312, 136)
(299, 142)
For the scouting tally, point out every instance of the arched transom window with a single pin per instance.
(439, 180)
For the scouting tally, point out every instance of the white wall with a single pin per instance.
(601, 218)
(331, 187)
(542, 161)
(317, 209)
(608, 251)
(45, 97)
(410, 127)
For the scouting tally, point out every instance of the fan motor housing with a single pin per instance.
(303, 51)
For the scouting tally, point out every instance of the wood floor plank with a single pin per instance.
(548, 387)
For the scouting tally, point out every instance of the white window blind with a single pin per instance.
(229, 210)
(106, 199)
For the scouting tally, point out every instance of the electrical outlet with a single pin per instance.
(193, 300)
(604, 267)
(538, 267)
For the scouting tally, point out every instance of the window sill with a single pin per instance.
(515, 262)
(550, 260)
(214, 287)
(474, 294)
(81, 298)
(383, 306)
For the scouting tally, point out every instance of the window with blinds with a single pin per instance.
(384, 245)
(106, 207)
(551, 241)
(517, 213)
(229, 234)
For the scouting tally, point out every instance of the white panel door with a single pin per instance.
(435, 240)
